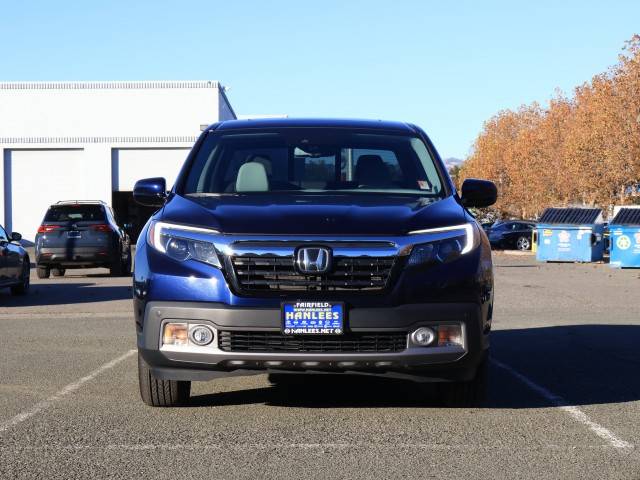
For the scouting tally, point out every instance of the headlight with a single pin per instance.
(448, 244)
(182, 242)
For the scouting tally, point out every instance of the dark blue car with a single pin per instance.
(516, 234)
(15, 266)
(313, 245)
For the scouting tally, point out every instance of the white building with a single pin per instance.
(93, 140)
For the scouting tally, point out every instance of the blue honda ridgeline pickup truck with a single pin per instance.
(313, 246)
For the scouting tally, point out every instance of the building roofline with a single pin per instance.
(189, 139)
(114, 85)
(221, 89)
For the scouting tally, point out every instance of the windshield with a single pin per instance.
(301, 160)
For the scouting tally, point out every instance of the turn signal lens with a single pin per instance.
(175, 334)
(450, 335)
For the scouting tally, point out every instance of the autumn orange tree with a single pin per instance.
(578, 150)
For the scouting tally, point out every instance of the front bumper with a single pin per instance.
(204, 363)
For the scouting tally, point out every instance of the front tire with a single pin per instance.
(466, 394)
(58, 272)
(156, 392)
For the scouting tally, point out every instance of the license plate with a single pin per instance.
(74, 234)
(313, 318)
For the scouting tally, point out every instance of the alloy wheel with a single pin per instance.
(523, 243)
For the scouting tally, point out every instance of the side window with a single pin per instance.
(433, 182)
(3, 235)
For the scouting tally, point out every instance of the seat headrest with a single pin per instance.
(252, 177)
(264, 160)
(372, 171)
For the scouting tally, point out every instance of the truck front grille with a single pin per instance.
(275, 342)
(278, 274)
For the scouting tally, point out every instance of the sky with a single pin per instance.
(446, 66)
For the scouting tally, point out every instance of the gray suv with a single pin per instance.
(81, 234)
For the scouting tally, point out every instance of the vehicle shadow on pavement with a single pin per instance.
(327, 391)
(581, 364)
(64, 293)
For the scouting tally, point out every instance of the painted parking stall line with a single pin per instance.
(577, 414)
(61, 394)
(252, 447)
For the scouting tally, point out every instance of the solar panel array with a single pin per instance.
(627, 216)
(570, 216)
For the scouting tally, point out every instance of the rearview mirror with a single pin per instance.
(16, 237)
(478, 193)
(150, 192)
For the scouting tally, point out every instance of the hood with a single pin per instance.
(326, 214)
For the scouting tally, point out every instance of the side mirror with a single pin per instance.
(16, 237)
(150, 192)
(478, 193)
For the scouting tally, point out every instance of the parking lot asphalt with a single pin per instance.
(564, 396)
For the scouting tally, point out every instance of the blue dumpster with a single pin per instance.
(625, 239)
(570, 235)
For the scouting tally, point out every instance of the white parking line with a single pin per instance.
(64, 315)
(201, 447)
(572, 410)
(72, 387)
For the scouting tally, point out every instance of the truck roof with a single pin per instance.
(314, 123)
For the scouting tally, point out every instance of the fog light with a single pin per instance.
(449, 335)
(175, 334)
(201, 335)
(423, 336)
